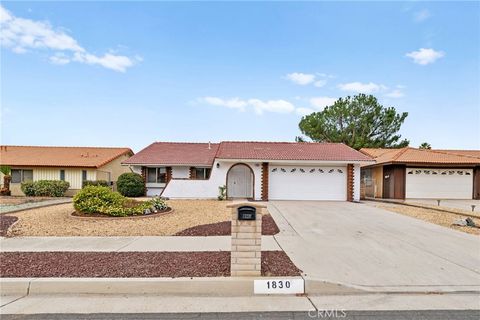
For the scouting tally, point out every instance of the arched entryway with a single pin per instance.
(240, 181)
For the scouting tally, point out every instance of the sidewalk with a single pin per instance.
(105, 304)
(32, 205)
(124, 244)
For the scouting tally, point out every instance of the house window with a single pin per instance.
(157, 175)
(20, 175)
(202, 173)
(84, 175)
(62, 175)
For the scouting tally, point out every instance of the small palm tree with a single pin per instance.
(5, 190)
(425, 145)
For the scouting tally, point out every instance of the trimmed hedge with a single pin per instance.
(102, 183)
(131, 185)
(45, 188)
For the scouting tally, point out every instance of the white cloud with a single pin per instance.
(300, 78)
(319, 103)
(396, 93)
(361, 87)
(425, 56)
(233, 103)
(320, 83)
(60, 59)
(421, 15)
(22, 35)
(279, 106)
(257, 105)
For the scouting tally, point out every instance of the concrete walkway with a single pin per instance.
(31, 205)
(107, 304)
(377, 250)
(124, 244)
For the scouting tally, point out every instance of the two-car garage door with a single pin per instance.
(424, 183)
(307, 183)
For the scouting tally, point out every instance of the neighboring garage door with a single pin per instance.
(439, 183)
(307, 183)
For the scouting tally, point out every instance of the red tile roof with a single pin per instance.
(171, 153)
(176, 153)
(36, 156)
(423, 156)
(289, 151)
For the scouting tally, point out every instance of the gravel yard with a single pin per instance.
(134, 264)
(57, 221)
(269, 228)
(5, 223)
(438, 217)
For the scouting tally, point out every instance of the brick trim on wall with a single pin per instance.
(350, 177)
(144, 176)
(265, 181)
(193, 173)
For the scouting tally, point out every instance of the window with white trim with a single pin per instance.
(157, 175)
(202, 173)
(21, 175)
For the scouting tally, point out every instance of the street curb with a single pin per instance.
(209, 286)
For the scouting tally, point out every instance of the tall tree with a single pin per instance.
(359, 122)
(425, 145)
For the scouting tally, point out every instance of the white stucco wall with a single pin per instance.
(198, 189)
(180, 172)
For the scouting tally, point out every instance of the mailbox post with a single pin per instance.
(246, 239)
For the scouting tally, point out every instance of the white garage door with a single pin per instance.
(307, 183)
(439, 183)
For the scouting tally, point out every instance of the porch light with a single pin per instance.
(218, 165)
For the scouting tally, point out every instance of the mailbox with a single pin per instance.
(247, 213)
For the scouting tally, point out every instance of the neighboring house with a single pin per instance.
(410, 173)
(72, 164)
(253, 170)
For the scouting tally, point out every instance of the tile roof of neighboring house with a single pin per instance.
(176, 153)
(36, 156)
(171, 153)
(426, 156)
(289, 151)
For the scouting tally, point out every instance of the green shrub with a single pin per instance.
(97, 199)
(45, 188)
(158, 203)
(102, 183)
(131, 185)
(28, 188)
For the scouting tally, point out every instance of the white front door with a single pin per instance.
(307, 183)
(450, 183)
(240, 182)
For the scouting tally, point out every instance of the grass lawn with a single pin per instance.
(57, 221)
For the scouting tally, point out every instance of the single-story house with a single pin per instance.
(410, 173)
(72, 164)
(252, 170)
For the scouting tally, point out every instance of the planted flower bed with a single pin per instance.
(99, 201)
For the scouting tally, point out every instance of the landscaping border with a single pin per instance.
(112, 218)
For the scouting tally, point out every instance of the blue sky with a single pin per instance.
(129, 73)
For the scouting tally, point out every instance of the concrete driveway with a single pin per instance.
(358, 245)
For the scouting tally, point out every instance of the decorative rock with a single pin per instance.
(147, 211)
(460, 222)
(470, 222)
